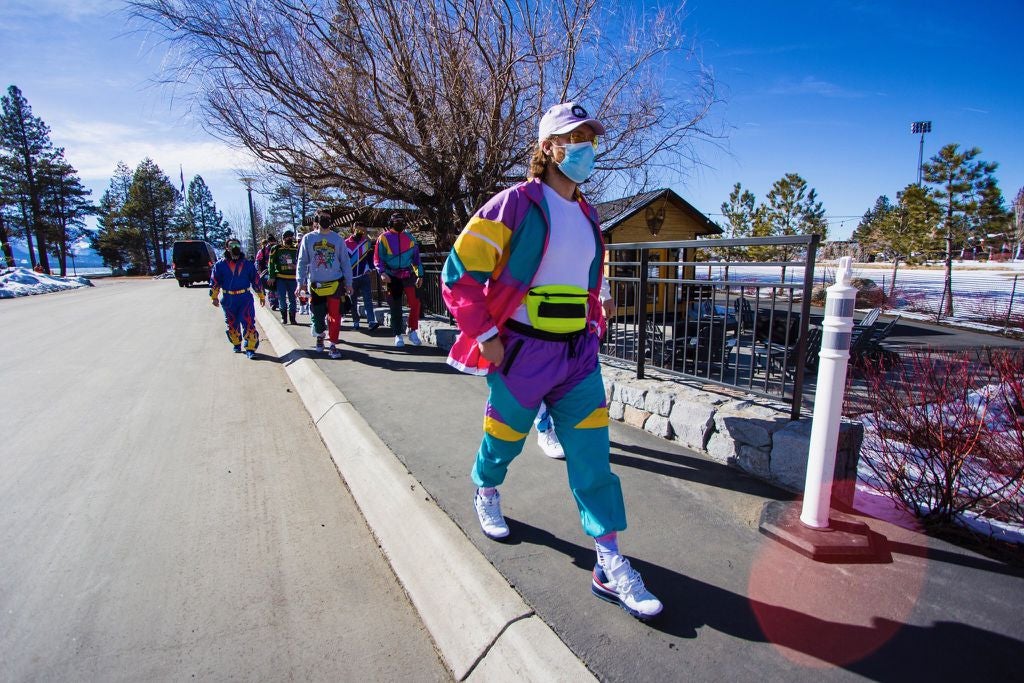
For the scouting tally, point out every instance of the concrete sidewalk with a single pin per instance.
(404, 428)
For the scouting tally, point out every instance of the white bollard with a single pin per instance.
(837, 328)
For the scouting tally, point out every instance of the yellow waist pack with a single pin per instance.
(560, 309)
(324, 288)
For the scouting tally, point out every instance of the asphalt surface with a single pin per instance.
(739, 606)
(168, 510)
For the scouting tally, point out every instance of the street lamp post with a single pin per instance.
(252, 216)
(921, 127)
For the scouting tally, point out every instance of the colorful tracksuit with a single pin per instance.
(485, 279)
(262, 260)
(282, 263)
(397, 255)
(360, 254)
(323, 257)
(235, 277)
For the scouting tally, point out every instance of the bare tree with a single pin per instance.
(434, 103)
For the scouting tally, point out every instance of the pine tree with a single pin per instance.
(65, 206)
(119, 240)
(206, 221)
(792, 209)
(899, 231)
(740, 214)
(152, 204)
(956, 178)
(25, 142)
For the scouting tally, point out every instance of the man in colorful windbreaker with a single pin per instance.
(234, 275)
(360, 254)
(397, 258)
(523, 282)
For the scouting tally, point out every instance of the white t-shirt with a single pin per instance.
(570, 240)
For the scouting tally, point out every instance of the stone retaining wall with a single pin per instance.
(728, 426)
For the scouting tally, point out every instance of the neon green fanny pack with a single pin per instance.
(561, 309)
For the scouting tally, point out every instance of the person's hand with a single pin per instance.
(419, 282)
(349, 290)
(271, 282)
(493, 350)
(385, 278)
(216, 302)
(300, 290)
(609, 308)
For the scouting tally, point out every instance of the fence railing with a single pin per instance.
(686, 314)
(680, 312)
(991, 298)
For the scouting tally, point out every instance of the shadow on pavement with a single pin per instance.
(885, 650)
(697, 470)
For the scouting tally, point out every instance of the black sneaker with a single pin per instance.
(374, 325)
(320, 343)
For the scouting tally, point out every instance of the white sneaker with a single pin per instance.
(414, 338)
(549, 443)
(488, 511)
(334, 352)
(622, 585)
(399, 342)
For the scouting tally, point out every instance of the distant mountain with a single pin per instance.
(84, 258)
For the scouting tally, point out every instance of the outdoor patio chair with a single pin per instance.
(782, 360)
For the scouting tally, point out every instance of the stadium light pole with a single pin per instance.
(921, 127)
(252, 215)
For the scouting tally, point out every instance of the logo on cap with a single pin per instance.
(579, 112)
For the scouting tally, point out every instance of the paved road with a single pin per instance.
(168, 511)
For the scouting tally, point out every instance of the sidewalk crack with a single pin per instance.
(487, 650)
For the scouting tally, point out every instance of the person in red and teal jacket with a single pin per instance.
(523, 282)
(396, 256)
(235, 275)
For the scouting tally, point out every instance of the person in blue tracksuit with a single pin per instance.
(235, 275)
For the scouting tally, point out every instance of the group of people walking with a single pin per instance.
(322, 268)
(525, 284)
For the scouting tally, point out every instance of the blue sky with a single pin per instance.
(825, 89)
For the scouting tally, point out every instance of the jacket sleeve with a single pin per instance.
(302, 264)
(346, 264)
(255, 281)
(417, 265)
(215, 284)
(272, 263)
(480, 249)
(378, 262)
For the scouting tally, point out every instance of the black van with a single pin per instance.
(192, 261)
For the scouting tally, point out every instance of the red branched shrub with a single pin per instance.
(945, 434)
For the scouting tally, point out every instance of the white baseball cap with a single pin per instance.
(564, 118)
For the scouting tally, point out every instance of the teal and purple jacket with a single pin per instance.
(397, 254)
(490, 268)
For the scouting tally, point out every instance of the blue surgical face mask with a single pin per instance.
(578, 163)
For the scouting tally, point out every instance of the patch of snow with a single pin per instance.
(24, 282)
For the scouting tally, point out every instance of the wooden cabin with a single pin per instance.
(655, 216)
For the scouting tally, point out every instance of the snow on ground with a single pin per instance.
(24, 282)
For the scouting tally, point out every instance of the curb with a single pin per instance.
(481, 626)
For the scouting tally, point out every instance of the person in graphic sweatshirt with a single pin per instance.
(397, 258)
(325, 272)
(235, 275)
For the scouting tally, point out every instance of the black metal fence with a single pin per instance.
(686, 314)
(679, 309)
